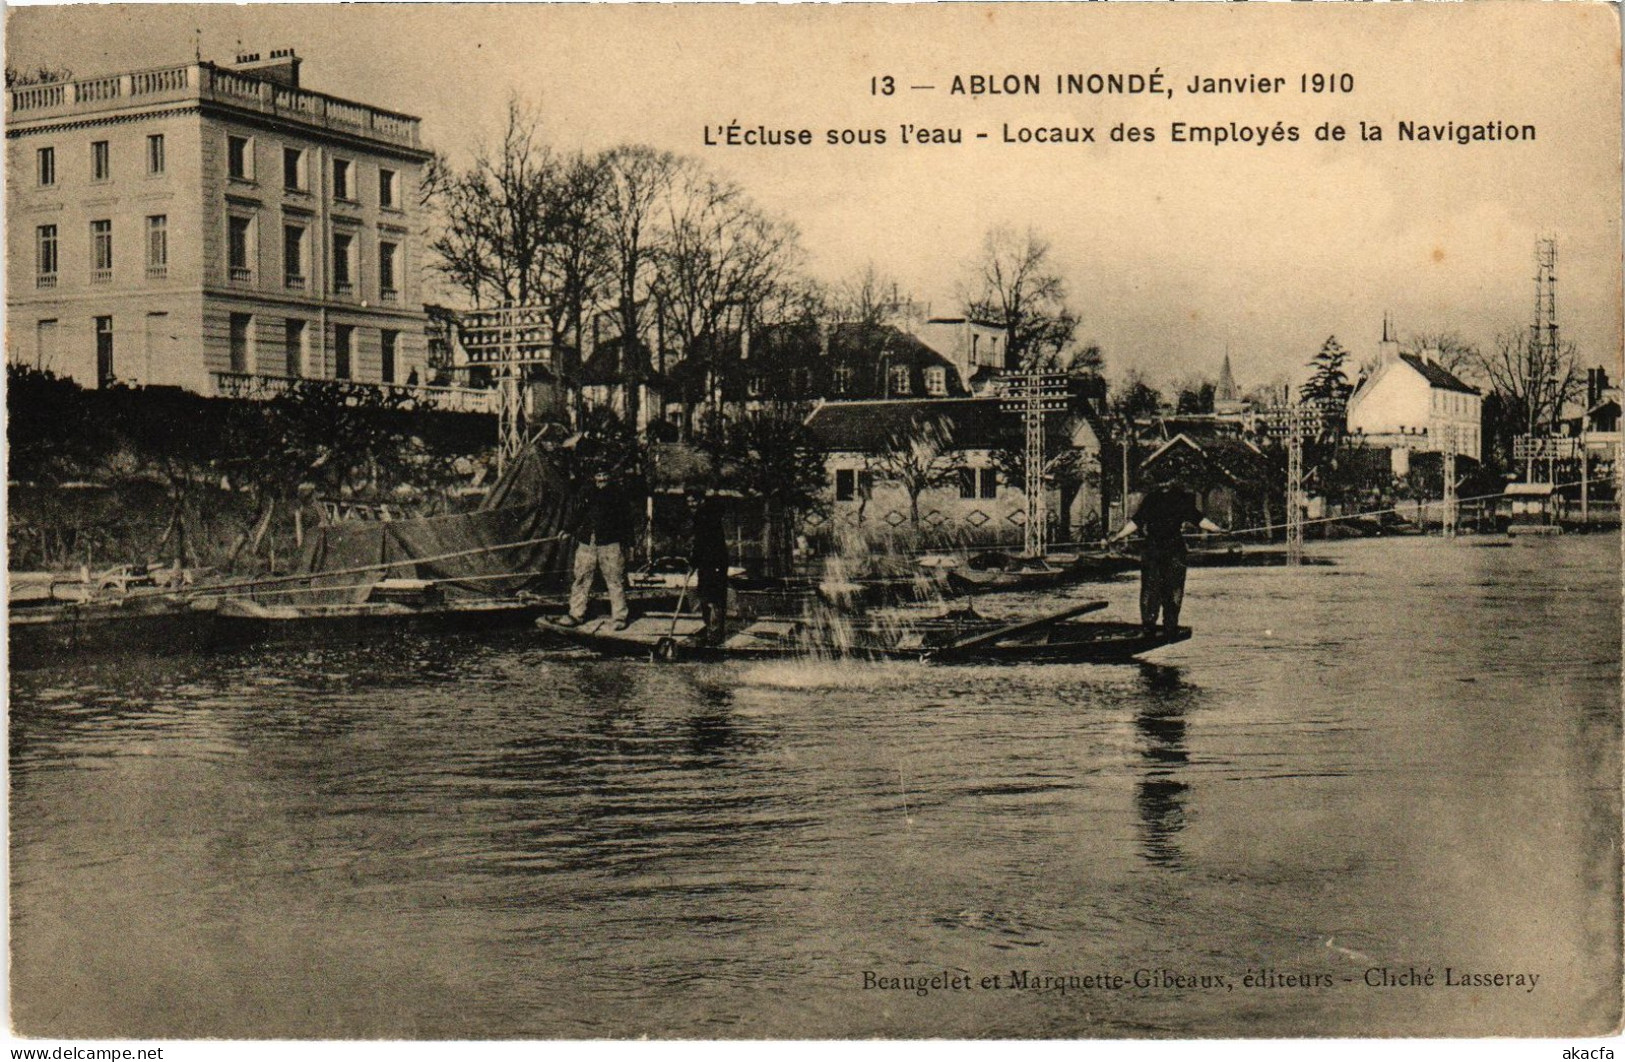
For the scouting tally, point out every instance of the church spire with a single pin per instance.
(1225, 390)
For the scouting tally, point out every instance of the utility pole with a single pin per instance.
(508, 339)
(1033, 394)
(1294, 484)
(1543, 350)
(1296, 418)
(1447, 438)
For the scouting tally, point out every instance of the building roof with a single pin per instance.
(1237, 460)
(1437, 376)
(865, 426)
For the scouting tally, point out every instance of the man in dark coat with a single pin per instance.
(708, 556)
(1163, 513)
(605, 525)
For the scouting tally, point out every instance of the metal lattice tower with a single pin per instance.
(1543, 345)
(1033, 394)
(1294, 485)
(1295, 420)
(508, 339)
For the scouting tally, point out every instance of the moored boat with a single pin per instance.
(243, 622)
(995, 572)
(43, 635)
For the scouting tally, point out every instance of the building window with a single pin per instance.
(341, 178)
(242, 327)
(45, 256)
(101, 161)
(343, 342)
(240, 158)
(386, 372)
(388, 189)
(155, 154)
(846, 484)
(899, 380)
(293, 347)
(46, 157)
(240, 249)
(990, 482)
(343, 273)
(293, 257)
(753, 385)
(293, 169)
(967, 483)
(101, 252)
(936, 380)
(104, 352)
(158, 246)
(386, 272)
(841, 379)
(45, 344)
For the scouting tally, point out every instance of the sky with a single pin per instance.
(1173, 253)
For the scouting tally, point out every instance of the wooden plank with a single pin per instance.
(1017, 628)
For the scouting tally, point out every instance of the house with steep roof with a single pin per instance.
(1411, 403)
(963, 453)
(1229, 474)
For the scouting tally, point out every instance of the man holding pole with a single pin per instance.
(1163, 513)
(708, 557)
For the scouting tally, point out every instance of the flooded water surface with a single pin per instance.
(1355, 778)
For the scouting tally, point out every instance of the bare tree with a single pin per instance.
(636, 181)
(575, 257)
(494, 236)
(722, 259)
(1531, 382)
(1454, 353)
(918, 457)
(1014, 285)
(868, 297)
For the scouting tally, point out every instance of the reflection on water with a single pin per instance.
(1408, 758)
(1160, 793)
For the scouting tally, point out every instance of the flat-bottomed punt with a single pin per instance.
(955, 638)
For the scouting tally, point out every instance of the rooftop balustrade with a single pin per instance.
(207, 82)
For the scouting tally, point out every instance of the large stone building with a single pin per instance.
(212, 228)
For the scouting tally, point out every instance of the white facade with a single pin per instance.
(970, 345)
(1411, 402)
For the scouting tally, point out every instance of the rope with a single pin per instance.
(330, 589)
(1392, 509)
(1407, 505)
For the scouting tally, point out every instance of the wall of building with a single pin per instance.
(967, 344)
(946, 517)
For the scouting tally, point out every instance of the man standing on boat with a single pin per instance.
(708, 556)
(1163, 513)
(606, 523)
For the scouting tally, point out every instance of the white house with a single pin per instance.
(1412, 403)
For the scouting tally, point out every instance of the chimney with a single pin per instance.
(280, 66)
(1430, 356)
(1388, 349)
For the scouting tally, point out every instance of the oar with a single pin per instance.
(976, 640)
